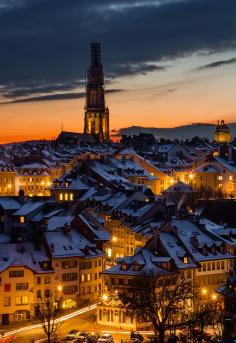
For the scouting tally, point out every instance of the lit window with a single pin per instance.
(24, 300)
(7, 301)
(82, 278)
(66, 196)
(220, 177)
(185, 259)
(60, 196)
(220, 185)
(109, 252)
(88, 277)
(22, 219)
(231, 178)
(71, 196)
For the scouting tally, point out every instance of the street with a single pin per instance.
(83, 322)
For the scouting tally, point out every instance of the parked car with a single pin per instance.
(72, 334)
(137, 335)
(81, 339)
(93, 337)
(105, 338)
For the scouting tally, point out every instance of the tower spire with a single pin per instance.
(96, 120)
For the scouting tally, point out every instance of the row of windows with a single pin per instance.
(47, 293)
(6, 179)
(208, 266)
(83, 265)
(19, 300)
(16, 273)
(89, 290)
(66, 196)
(47, 280)
(75, 276)
(210, 280)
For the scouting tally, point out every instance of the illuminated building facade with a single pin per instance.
(179, 246)
(222, 133)
(96, 120)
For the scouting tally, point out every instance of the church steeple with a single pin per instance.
(96, 121)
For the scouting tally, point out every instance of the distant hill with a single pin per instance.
(179, 132)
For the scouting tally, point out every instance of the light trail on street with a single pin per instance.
(60, 319)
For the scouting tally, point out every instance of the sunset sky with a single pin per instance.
(166, 63)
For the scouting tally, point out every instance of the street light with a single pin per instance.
(214, 296)
(204, 291)
(105, 297)
(59, 288)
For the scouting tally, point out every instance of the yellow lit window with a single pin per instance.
(186, 259)
(71, 196)
(82, 278)
(66, 196)
(220, 185)
(231, 178)
(88, 277)
(60, 196)
(220, 177)
(22, 219)
(109, 252)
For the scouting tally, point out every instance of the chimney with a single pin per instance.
(21, 196)
(67, 229)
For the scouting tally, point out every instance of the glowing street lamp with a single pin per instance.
(204, 291)
(114, 239)
(59, 288)
(214, 296)
(105, 297)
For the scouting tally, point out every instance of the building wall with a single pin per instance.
(18, 293)
(7, 183)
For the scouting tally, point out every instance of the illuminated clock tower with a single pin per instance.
(96, 119)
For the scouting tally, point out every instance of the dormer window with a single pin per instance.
(123, 266)
(222, 249)
(186, 259)
(136, 267)
(22, 219)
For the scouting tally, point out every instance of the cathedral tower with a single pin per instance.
(96, 119)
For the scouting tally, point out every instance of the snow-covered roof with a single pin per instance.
(22, 254)
(70, 244)
(9, 203)
(29, 207)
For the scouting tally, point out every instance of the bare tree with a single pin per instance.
(47, 309)
(162, 301)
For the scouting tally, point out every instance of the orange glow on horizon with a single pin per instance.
(42, 120)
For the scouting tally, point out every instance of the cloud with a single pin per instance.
(135, 69)
(58, 96)
(47, 41)
(217, 64)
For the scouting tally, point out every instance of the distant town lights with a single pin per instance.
(214, 296)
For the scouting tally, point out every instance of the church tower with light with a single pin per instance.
(96, 119)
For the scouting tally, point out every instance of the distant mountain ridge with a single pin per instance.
(180, 132)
